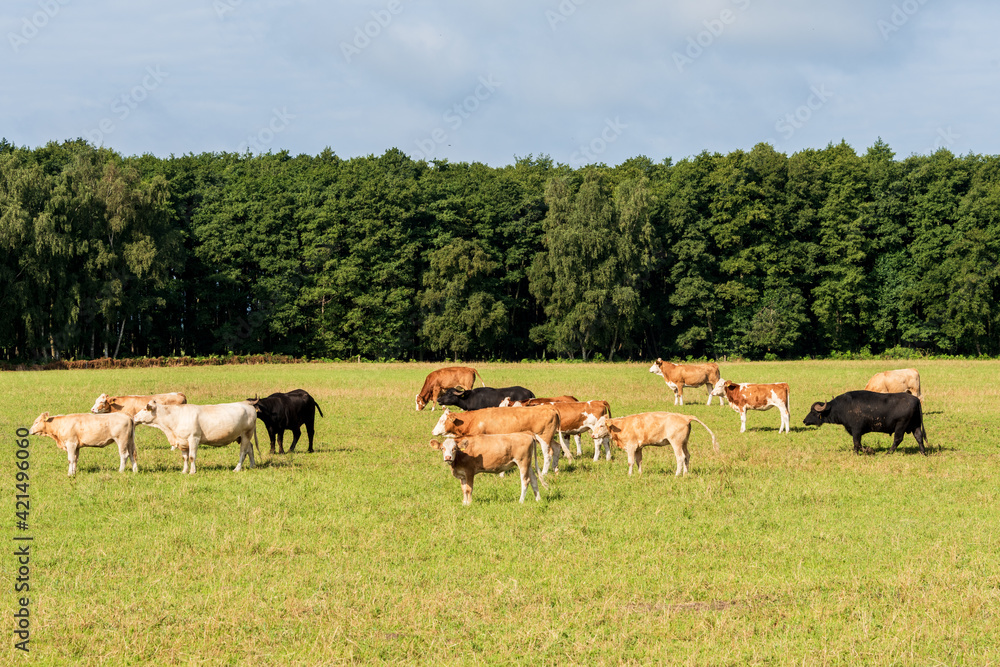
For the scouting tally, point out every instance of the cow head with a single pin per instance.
(420, 403)
(451, 395)
(147, 414)
(450, 448)
(102, 404)
(720, 388)
(817, 414)
(38, 427)
(505, 403)
(655, 368)
(445, 421)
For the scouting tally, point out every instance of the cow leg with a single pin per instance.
(743, 420)
(597, 446)
(679, 396)
(467, 488)
(564, 448)
(246, 447)
(280, 433)
(72, 450)
(122, 454)
(554, 455)
(897, 438)
(918, 434)
(532, 478)
(687, 457)
(579, 450)
(857, 442)
(546, 455)
(310, 430)
(680, 455)
(192, 453)
(524, 468)
(296, 434)
(784, 419)
(638, 459)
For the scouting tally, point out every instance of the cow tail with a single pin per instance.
(482, 382)
(715, 443)
(317, 406)
(255, 440)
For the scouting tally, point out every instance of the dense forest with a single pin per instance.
(754, 254)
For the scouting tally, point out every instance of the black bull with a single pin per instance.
(861, 412)
(482, 397)
(289, 411)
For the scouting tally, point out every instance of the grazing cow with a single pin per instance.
(864, 411)
(187, 426)
(288, 411)
(491, 454)
(453, 376)
(578, 417)
(482, 397)
(542, 421)
(86, 430)
(651, 429)
(507, 402)
(892, 382)
(747, 396)
(678, 376)
(130, 405)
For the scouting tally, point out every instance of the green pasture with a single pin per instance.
(780, 549)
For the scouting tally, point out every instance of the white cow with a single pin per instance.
(188, 426)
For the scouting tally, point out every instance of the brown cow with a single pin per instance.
(542, 421)
(573, 421)
(747, 396)
(678, 376)
(130, 405)
(86, 430)
(445, 378)
(653, 429)
(491, 454)
(537, 401)
(894, 382)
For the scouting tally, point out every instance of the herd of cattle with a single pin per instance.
(113, 419)
(497, 429)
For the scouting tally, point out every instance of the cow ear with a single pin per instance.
(435, 444)
(45, 417)
(659, 360)
(463, 444)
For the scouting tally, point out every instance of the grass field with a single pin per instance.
(780, 549)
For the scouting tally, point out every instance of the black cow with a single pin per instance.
(482, 397)
(287, 411)
(861, 412)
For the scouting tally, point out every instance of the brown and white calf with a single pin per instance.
(130, 405)
(573, 420)
(491, 454)
(651, 429)
(895, 382)
(446, 378)
(188, 426)
(71, 432)
(678, 376)
(749, 396)
(542, 421)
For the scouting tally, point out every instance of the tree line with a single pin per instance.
(753, 253)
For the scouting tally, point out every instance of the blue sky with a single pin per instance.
(581, 81)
